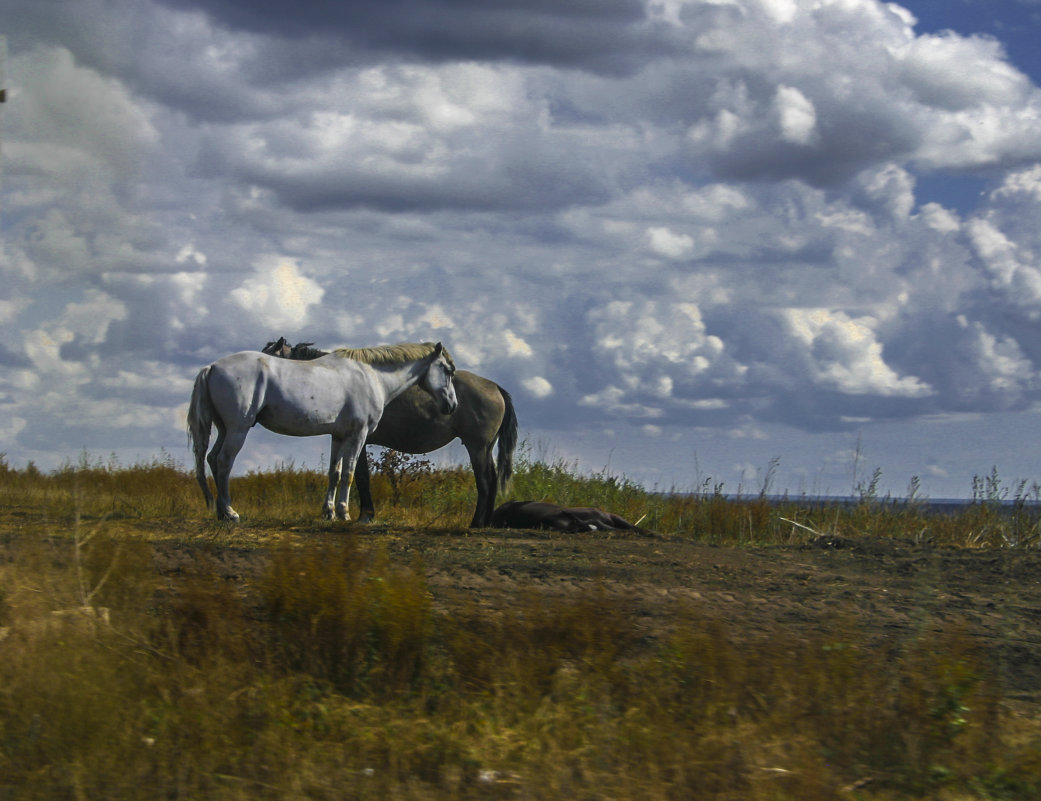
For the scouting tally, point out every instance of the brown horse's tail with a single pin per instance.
(200, 419)
(507, 442)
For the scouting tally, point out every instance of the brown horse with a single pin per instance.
(412, 423)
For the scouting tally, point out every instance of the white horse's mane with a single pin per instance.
(391, 354)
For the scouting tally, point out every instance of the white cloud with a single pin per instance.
(886, 95)
(538, 386)
(678, 218)
(148, 378)
(796, 115)
(782, 11)
(1000, 360)
(1014, 272)
(188, 252)
(648, 334)
(279, 294)
(889, 188)
(435, 319)
(715, 201)
(515, 346)
(850, 220)
(73, 122)
(611, 399)
(940, 219)
(844, 354)
(955, 73)
(995, 248)
(44, 349)
(1025, 183)
(452, 135)
(188, 286)
(91, 318)
(672, 246)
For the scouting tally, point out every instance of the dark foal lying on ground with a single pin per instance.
(537, 514)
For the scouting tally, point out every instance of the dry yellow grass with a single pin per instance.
(135, 663)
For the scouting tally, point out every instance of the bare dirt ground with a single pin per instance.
(878, 588)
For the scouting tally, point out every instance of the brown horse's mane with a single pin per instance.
(391, 354)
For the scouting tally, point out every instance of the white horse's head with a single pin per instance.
(438, 381)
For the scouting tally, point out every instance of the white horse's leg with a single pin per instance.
(343, 494)
(212, 459)
(221, 459)
(329, 507)
(347, 454)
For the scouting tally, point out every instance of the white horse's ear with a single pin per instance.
(438, 348)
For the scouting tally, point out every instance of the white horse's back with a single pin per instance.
(331, 395)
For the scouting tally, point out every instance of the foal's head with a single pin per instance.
(279, 348)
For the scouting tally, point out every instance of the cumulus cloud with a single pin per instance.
(672, 246)
(1005, 369)
(843, 353)
(658, 214)
(941, 220)
(279, 293)
(887, 94)
(796, 115)
(75, 122)
(953, 73)
(634, 335)
(1024, 183)
(538, 386)
(659, 356)
(1006, 247)
(402, 137)
(75, 153)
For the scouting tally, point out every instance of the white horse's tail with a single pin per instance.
(200, 419)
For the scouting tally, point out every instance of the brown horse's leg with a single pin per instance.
(484, 477)
(361, 478)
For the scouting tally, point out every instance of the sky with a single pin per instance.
(759, 243)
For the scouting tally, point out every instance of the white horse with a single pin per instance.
(342, 394)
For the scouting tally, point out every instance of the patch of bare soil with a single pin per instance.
(879, 589)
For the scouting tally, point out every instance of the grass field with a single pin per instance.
(749, 650)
